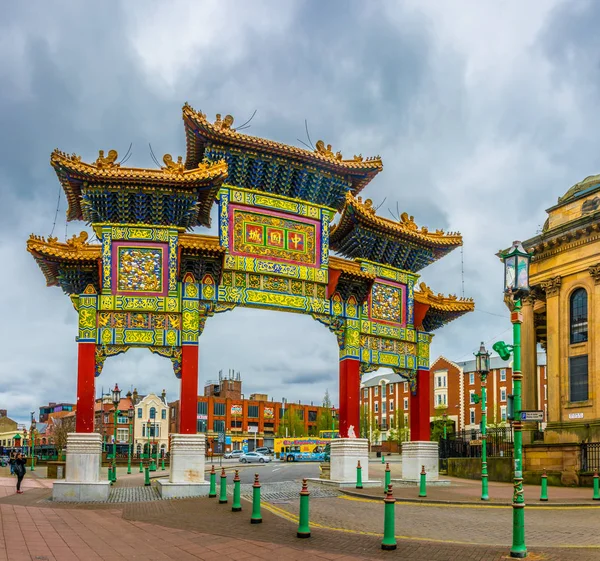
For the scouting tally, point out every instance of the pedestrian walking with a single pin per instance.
(20, 469)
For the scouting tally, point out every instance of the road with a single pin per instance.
(275, 471)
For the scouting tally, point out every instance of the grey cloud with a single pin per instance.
(483, 154)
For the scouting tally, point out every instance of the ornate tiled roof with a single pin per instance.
(360, 233)
(65, 264)
(105, 171)
(406, 227)
(350, 268)
(200, 132)
(202, 244)
(441, 309)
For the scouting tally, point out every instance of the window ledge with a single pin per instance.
(580, 345)
(578, 404)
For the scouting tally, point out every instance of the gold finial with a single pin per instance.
(224, 124)
(425, 289)
(78, 241)
(408, 221)
(108, 161)
(172, 166)
(327, 152)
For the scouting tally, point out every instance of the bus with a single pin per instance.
(329, 434)
(303, 449)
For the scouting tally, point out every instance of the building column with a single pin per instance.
(86, 372)
(552, 289)
(420, 407)
(188, 401)
(349, 392)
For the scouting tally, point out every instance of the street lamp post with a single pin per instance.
(130, 414)
(482, 365)
(116, 399)
(516, 285)
(332, 420)
(32, 433)
(445, 418)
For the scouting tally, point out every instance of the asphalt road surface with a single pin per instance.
(276, 471)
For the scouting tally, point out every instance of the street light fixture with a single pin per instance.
(445, 419)
(332, 420)
(516, 285)
(482, 365)
(130, 414)
(116, 399)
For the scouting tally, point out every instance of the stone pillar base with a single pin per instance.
(344, 457)
(186, 477)
(417, 454)
(82, 481)
(170, 490)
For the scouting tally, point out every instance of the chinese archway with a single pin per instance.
(149, 282)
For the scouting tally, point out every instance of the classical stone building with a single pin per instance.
(563, 314)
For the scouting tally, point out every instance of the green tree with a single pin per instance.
(325, 418)
(374, 430)
(437, 431)
(364, 421)
(292, 422)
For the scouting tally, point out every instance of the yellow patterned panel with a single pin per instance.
(139, 337)
(277, 300)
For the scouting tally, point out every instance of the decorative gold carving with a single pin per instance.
(594, 271)
(78, 241)
(225, 124)
(172, 166)
(551, 287)
(450, 303)
(108, 161)
(327, 152)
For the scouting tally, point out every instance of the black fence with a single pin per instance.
(590, 456)
(467, 443)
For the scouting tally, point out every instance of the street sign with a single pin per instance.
(252, 429)
(221, 438)
(535, 416)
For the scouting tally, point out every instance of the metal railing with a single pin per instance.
(590, 456)
(467, 443)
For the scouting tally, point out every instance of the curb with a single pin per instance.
(469, 503)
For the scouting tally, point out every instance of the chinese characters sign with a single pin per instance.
(275, 237)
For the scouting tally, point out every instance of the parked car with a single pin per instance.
(233, 454)
(264, 450)
(254, 457)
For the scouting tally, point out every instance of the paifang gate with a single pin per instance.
(150, 283)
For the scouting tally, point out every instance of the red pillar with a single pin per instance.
(420, 408)
(86, 371)
(349, 413)
(188, 402)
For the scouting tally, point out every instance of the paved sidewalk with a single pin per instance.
(469, 491)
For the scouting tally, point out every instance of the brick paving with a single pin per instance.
(32, 528)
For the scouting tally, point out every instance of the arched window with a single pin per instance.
(152, 413)
(579, 316)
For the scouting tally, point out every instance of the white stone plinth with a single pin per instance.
(186, 478)
(344, 457)
(418, 454)
(82, 479)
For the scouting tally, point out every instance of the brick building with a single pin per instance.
(104, 421)
(224, 409)
(46, 410)
(452, 389)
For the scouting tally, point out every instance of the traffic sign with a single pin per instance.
(535, 416)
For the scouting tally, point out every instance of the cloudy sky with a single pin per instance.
(483, 113)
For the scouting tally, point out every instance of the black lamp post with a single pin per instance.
(482, 365)
(116, 399)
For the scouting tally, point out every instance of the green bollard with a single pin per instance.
(213, 483)
(423, 483)
(388, 478)
(223, 495)
(141, 467)
(544, 492)
(596, 496)
(359, 484)
(147, 477)
(110, 474)
(256, 517)
(389, 522)
(382, 458)
(237, 505)
(303, 525)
